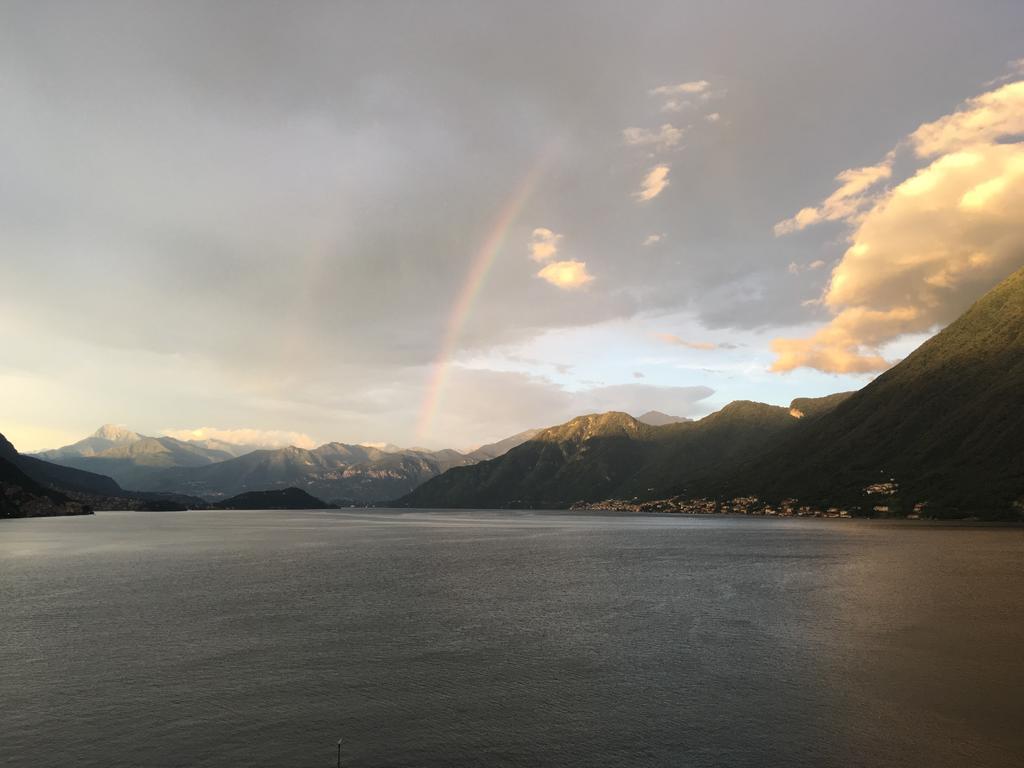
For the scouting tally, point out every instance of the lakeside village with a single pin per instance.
(752, 505)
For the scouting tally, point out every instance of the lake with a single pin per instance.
(507, 639)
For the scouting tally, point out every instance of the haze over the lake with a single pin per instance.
(375, 221)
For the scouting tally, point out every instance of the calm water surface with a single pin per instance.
(507, 639)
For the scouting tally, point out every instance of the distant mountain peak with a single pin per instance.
(660, 419)
(116, 433)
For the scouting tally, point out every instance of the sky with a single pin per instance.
(440, 223)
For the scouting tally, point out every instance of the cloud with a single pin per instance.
(258, 437)
(677, 97)
(543, 244)
(666, 137)
(692, 87)
(653, 239)
(714, 117)
(846, 201)
(1014, 69)
(654, 182)
(638, 375)
(985, 119)
(796, 269)
(922, 251)
(566, 274)
(671, 338)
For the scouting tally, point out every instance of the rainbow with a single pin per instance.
(471, 286)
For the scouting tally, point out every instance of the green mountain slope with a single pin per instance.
(946, 423)
(606, 455)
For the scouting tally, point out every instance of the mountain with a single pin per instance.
(494, 450)
(287, 498)
(941, 429)
(133, 459)
(605, 455)
(659, 419)
(334, 471)
(88, 489)
(214, 469)
(945, 424)
(21, 496)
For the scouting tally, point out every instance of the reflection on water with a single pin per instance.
(519, 639)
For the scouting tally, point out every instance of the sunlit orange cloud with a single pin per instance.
(922, 250)
(846, 201)
(566, 274)
(654, 182)
(543, 244)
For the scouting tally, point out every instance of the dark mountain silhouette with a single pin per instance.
(57, 477)
(21, 496)
(286, 498)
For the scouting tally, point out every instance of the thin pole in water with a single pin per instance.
(339, 753)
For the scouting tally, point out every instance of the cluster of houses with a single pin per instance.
(741, 505)
(882, 500)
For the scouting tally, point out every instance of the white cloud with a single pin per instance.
(666, 137)
(1014, 69)
(655, 238)
(691, 88)
(262, 438)
(714, 117)
(654, 182)
(922, 251)
(566, 274)
(796, 269)
(679, 96)
(543, 244)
